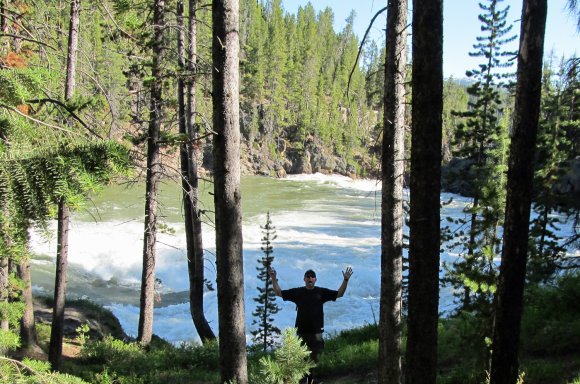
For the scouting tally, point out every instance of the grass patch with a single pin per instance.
(352, 350)
(121, 362)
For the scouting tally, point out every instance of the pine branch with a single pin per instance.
(37, 121)
(70, 111)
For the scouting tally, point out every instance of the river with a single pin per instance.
(325, 223)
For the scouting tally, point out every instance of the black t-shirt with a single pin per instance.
(309, 303)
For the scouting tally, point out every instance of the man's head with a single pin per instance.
(309, 279)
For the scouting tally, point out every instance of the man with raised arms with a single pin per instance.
(309, 302)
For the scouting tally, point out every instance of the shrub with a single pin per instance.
(289, 363)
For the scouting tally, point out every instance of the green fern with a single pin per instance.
(32, 371)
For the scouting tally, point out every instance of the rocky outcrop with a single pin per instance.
(313, 158)
(101, 322)
(457, 177)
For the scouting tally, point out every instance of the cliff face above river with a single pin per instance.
(313, 158)
(280, 159)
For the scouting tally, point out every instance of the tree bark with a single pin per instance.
(189, 177)
(56, 331)
(27, 326)
(4, 290)
(73, 43)
(424, 244)
(3, 22)
(227, 193)
(145, 330)
(504, 360)
(393, 166)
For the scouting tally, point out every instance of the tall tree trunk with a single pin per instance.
(393, 167)
(504, 360)
(3, 22)
(27, 327)
(227, 193)
(425, 188)
(189, 177)
(145, 330)
(5, 262)
(197, 281)
(56, 331)
(73, 43)
(4, 290)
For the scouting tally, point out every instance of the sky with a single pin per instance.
(460, 26)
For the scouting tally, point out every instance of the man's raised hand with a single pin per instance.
(347, 273)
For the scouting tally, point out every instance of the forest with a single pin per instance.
(119, 91)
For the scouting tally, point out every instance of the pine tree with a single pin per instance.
(556, 151)
(482, 141)
(266, 333)
(41, 163)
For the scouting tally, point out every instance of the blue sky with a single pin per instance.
(461, 26)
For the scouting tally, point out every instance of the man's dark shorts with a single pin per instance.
(314, 342)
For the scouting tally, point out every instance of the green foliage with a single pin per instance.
(8, 341)
(11, 312)
(43, 335)
(456, 335)
(353, 350)
(550, 329)
(290, 363)
(31, 185)
(32, 371)
(557, 150)
(17, 85)
(112, 361)
(549, 337)
(82, 331)
(112, 351)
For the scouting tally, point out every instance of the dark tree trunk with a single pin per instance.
(427, 107)
(504, 360)
(189, 177)
(393, 166)
(227, 193)
(3, 23)
(4, 290)
(56, 331)
(197, 280)
(27, 327)
(145, 331)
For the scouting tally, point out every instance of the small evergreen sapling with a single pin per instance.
(266, 332)
(289, 363)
